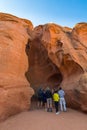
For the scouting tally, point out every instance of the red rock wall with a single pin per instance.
(48, 55)
(42, 71)
(67, 50)
(15, 91)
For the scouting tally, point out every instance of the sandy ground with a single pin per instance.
(42, 120)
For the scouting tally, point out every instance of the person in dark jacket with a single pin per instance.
(44, 99)
(40, 97)
(49, 99)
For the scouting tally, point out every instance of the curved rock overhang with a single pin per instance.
(42, 71)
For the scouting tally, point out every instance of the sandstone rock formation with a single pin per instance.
(48, 55)
(66, 49)
(15, 91)
(42, 71)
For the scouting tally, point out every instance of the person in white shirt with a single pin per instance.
(62, 99)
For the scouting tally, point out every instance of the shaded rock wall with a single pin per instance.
(42, 71)
(15, 91)
(67, 49)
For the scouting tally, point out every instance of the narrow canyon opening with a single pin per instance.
(42, 72)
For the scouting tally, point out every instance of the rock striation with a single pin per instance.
(47, 55)
(67, 49)
(15, 90)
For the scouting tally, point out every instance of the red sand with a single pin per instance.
(42, 120)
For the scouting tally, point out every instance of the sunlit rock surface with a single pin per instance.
(47, 55)
(67, 49)
(15, 91)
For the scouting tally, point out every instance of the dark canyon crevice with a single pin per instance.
(42, 72)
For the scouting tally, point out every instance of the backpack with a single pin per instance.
(40, 93)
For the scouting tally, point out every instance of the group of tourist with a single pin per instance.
(48, 98)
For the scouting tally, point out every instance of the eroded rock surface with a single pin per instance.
(42, 71)
(67, 49)
(48, 55)
(15, 91)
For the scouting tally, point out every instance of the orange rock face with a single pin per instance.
(66, 49)
(15, 91)
(48, 55)
(42, 71)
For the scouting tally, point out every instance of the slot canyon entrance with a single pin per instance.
(42, 72)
